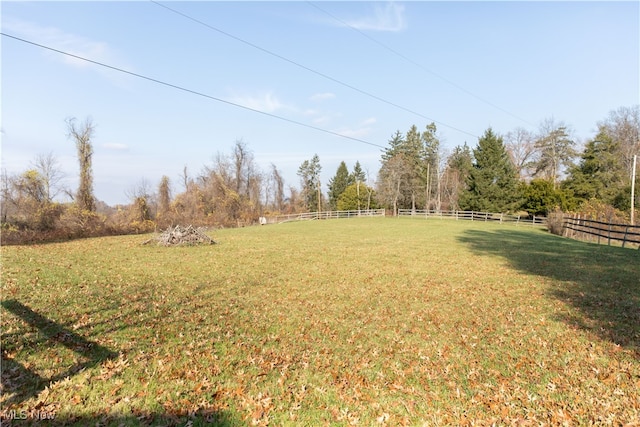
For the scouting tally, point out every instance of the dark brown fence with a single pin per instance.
(600, 231)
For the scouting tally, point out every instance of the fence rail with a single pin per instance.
(588, 229)
(323, 215)
(475, 216)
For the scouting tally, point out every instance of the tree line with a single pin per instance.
(520, 171)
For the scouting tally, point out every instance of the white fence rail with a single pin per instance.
(475, 216)
(324, 215)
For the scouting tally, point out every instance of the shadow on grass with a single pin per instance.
(602, 283)
(215, 419)
(23, 383)
(42, 418)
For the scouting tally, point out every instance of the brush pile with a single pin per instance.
(182, 236)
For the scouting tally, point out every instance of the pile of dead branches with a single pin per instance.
(185, 236)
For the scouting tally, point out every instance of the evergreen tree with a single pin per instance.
(396, 144)
(601, 173)
(338, 184)
(358, 174)
(492, 183)
(540, 197)
(357, 196)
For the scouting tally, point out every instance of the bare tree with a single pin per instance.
(520, 144)
(392, 176)
(141, 196)
(6, 195)
(277, 188)
(623, 125)
(82, 134)
(184, 178)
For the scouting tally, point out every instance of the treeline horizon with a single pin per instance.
(519, 171)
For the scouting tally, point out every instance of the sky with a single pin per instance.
(183, 81)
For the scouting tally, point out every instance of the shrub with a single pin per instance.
(555, 222)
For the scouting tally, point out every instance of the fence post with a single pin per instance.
(624, 239)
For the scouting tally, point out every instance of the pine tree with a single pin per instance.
(601, 173)
(492, 183)
(338, 184)
(358, 174)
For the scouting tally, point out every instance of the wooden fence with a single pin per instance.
(323, 215)
(475, 216)
(600, 231)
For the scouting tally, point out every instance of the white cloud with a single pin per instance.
(266, 102)
(360, 131)
(322, 96)
(389, 17)
(58, 39)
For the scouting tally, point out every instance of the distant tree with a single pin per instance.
(396, 146)
(82, 134)
(340, 181)
(456, 173)
(540, 198)
(184, 178)
(357, 196)
(492, 183)
(555, 151)
(431, 167)
(392, 177)
(25, 196)
(164, 200)
(623, 126)
(276, 188)
(358, 174)
(49, 168)
(6, 195)
(409, 152)
(520, 144)
(600, 173)
(309, 173)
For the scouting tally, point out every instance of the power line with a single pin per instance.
(194, 92)
(417, 64)
(297, 64)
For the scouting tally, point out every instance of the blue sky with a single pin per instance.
(375, 68)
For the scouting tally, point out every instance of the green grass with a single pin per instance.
(356, 321)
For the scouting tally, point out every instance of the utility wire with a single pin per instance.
(194, 92)
(417, 64)
(297, 64)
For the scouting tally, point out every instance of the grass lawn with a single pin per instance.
(372, 321)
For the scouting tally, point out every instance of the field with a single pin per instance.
(372, 321)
